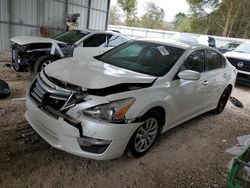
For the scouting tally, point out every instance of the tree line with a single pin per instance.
(229, 18)
(153, 18)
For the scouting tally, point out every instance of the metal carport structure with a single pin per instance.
(25, 17)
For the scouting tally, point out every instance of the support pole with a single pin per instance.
(88, 16)
(9, 18)
(107, 16)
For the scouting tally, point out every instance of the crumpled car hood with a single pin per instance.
(93, 74)
(32, 40)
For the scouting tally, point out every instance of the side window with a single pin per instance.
(95, 41)
(195, 62)
(214, 60)
(114, 40)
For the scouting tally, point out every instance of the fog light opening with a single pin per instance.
(93, 145)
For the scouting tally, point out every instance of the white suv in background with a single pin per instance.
(124, 99)
(240, 58)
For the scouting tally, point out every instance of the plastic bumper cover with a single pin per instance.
(62, 135)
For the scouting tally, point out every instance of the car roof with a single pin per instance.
(168, 41)
(247, 42)
(177, 43)
(99, 31)
(93, 31)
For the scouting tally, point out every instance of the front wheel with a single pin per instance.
(42, 62)
(223, 101)
(145, 136)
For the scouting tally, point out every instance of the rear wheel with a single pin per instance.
(223, 101)
(42, 62)
(145, 136)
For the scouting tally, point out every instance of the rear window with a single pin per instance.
(214, 60)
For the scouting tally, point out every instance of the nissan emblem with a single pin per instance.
(240, 64)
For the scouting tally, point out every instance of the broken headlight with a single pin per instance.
(111, 112)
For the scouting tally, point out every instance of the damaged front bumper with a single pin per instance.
(92, 139)
(19, 58)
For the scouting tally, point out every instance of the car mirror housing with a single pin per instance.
(189, 75)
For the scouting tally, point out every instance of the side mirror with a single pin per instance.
(189, 75)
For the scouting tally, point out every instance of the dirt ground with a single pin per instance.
(191, 155)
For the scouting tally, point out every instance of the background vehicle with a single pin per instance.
(124, 98)
(195, 39)
(240, 58)
(228, 47)
(36, 52)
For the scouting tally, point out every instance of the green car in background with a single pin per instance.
(239, 176)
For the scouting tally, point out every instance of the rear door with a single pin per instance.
(95, 44)
(216, 75)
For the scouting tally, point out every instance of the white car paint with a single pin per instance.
(238, 55)
(23, 40)
(93, 74)
(241, 56)
(88, 52)
(191, 38)
(181, 100)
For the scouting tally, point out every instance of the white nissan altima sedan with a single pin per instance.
(124, 99)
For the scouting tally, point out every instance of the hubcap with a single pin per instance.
(146, 135)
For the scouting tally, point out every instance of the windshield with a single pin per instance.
(71, 37)
(243, 48)
(143, 57)
(231, 45)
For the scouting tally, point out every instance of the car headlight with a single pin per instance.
(111, 112)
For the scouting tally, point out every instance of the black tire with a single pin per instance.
(223, 101)
(132, 149)
(4, 90)
(39, 64)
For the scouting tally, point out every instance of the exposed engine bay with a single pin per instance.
(24, 56)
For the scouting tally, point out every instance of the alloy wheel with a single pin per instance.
(146, 135)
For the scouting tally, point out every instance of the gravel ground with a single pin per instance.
(190, 155)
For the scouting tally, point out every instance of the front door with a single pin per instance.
(189, 96)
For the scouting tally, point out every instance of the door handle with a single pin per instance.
(205, 83)
(224, 75)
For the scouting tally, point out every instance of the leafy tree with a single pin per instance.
(221, 17)
(179, 17)
(234, 16)
(114, 16)
(129, 7)
(203, 7)
(154, 18)
(184, 25)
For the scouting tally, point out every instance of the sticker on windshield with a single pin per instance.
(163, 50)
